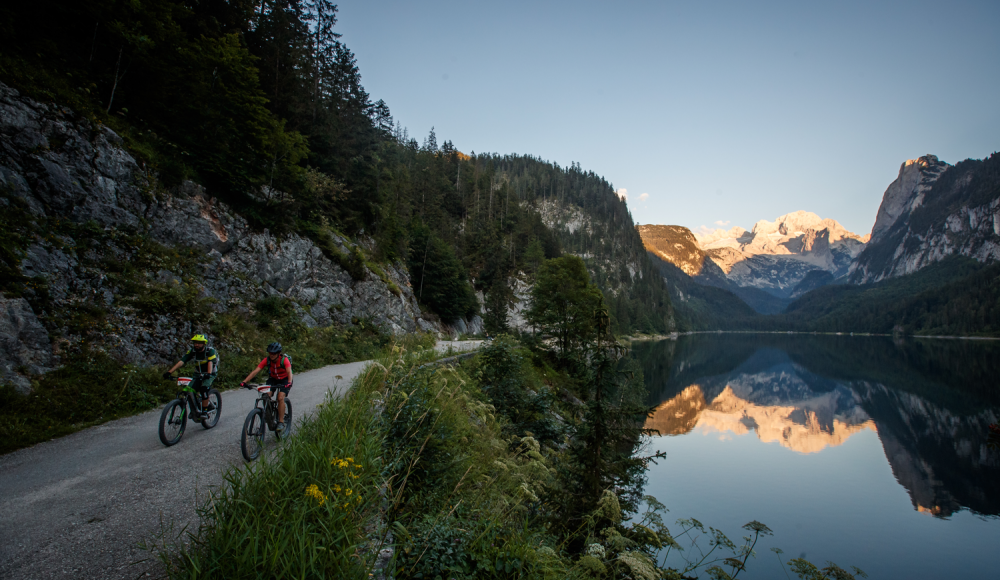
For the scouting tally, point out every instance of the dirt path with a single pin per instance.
(80, 506)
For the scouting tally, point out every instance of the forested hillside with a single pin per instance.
(260, 102)
(956, 296)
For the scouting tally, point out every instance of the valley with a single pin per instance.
(175, 173)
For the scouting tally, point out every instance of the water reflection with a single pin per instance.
(930, 402)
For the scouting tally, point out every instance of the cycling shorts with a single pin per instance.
(279, 385)
(202, 385)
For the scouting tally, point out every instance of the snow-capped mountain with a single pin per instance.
(778, 255)
(785, 257)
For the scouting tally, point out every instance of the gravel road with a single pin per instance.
(81, 506)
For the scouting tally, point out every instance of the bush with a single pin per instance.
(90, 389)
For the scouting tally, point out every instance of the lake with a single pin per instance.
(863, 451)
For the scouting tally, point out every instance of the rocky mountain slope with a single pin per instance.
(588, 219)
(98, 253)
(931, 211)
(766, 267)
(776, 256)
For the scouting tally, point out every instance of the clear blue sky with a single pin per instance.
(719, 111)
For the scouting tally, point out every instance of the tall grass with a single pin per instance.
(419, 448)
(310, 508)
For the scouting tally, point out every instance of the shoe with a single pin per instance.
(280, 428)
(209, 408)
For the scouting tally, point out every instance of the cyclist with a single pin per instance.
(279, 372)
(207, 362)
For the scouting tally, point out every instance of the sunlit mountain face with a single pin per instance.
(789, 391)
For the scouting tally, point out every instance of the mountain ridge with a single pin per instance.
(932, 211)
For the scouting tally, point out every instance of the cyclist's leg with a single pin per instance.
(205, 385)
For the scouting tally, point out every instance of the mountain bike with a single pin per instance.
(263, 417)
(186, 406)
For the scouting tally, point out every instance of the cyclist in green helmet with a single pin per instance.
(206, 362)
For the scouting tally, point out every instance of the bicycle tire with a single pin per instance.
(252, 439)
(288, 420)
(213, 418)
(173, 420)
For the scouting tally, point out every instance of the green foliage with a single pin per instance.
(503, 371)
(955, 296)
(809, 571)
(438, 278)
(89, 389)
(462, 496)
(564, 302)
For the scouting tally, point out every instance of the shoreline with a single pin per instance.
(676, 335)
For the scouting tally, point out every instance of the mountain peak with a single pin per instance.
(906, 193)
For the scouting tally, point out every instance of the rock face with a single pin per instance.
(906, 193)
(674, 244)
(24, 343)
(61, 167)
(931, 211)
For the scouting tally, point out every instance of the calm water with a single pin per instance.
(868, 452)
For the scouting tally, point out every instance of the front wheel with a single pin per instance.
(211, 418)
(173, 419)
(252, 440)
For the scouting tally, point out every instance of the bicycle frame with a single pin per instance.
(188, 395)
(269, 405)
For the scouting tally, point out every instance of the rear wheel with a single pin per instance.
(173, 419)
(212, 417)
(252, 440)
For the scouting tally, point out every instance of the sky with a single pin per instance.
(708, 114)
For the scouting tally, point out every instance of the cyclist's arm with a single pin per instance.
(176, 366)
(254, 372)
(288, 366)
(211, 362)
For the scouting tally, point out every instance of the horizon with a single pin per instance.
(711, 114)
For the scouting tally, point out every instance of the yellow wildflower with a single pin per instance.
(349, 492)
(314, 492)
(336, 489)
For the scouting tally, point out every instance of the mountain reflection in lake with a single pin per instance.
(797, 431)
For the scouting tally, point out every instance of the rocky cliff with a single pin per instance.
(100, 254)
(931, 211)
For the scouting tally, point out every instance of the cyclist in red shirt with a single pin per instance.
(279, 373)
